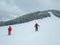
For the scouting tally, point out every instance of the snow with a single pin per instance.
(25, 34)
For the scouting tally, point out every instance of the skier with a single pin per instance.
(36, 26)
(9, 30)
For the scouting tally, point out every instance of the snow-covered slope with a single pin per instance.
(25, 34)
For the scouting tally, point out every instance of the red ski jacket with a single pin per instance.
(9, 28)
(36, 25)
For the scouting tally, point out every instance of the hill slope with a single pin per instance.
(24, 34)
(27, 18)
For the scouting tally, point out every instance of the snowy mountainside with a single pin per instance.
(56, 13)
(27, 18)
(30, 17)
(25, 34)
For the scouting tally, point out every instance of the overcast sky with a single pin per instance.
(12, 8)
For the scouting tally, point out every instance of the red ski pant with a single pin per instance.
(9, 32)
